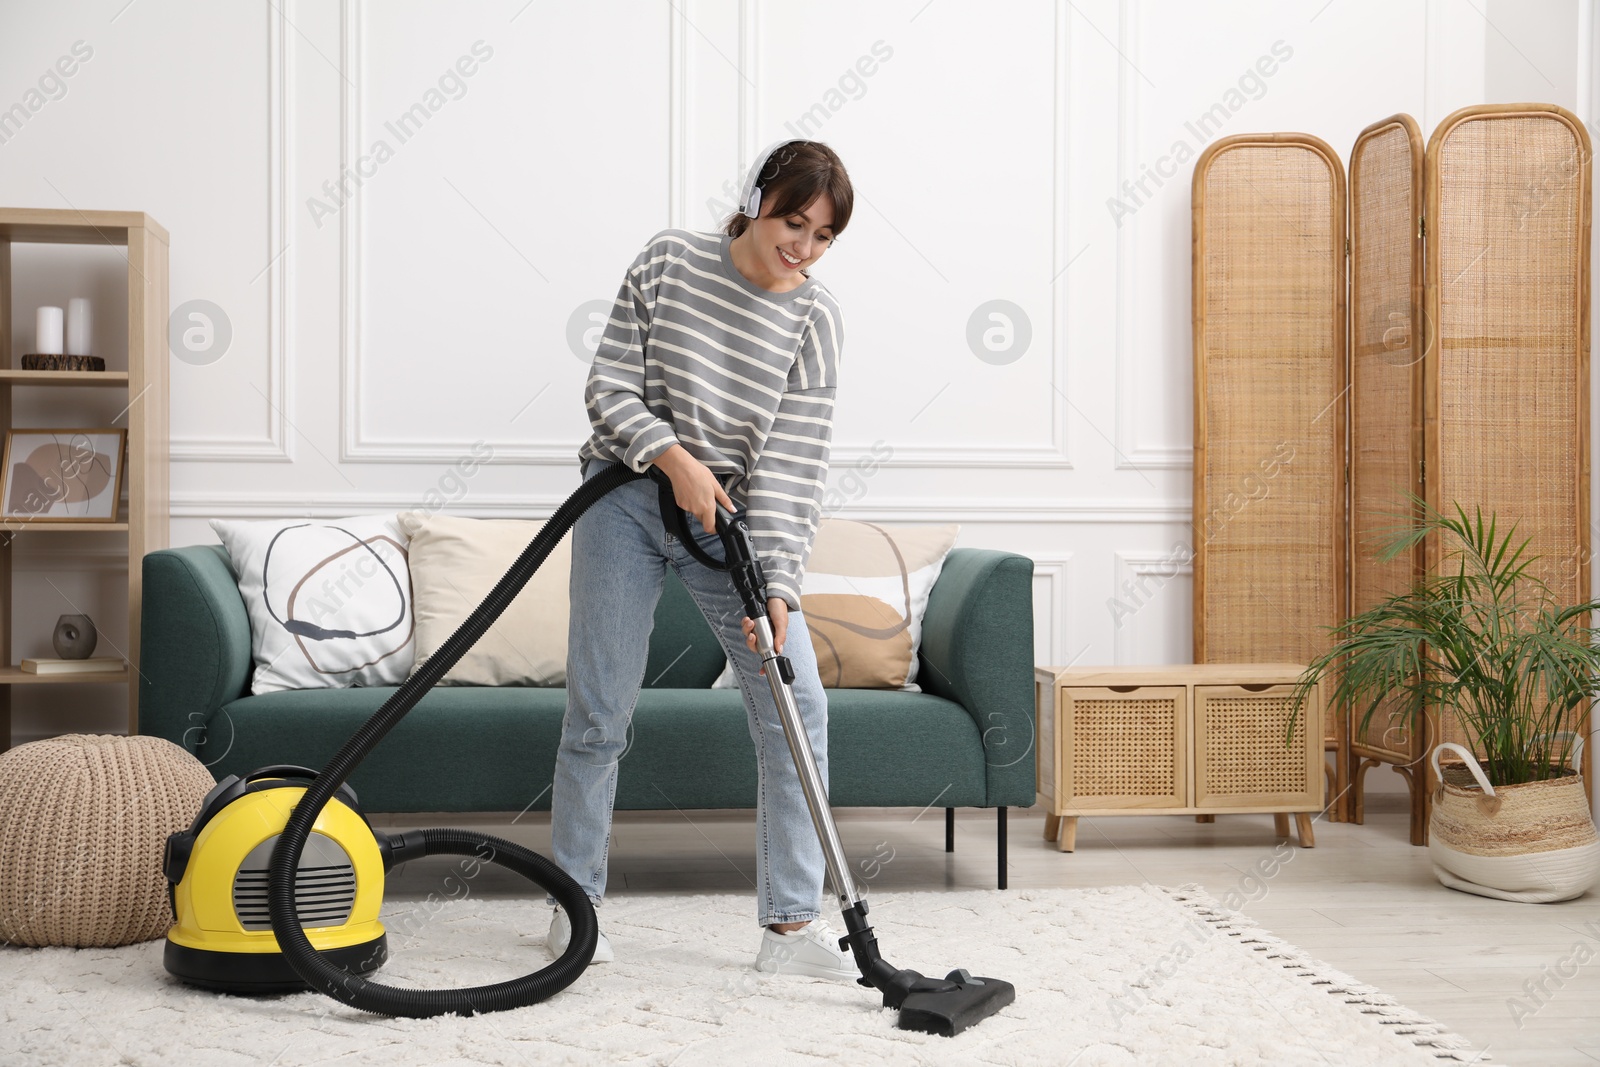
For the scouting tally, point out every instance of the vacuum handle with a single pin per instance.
(744, 566)
(738, 545)
(280, 770)
(345, 791)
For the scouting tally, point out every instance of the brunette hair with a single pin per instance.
(794, 175)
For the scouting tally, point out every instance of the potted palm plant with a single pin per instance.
(1487, 638)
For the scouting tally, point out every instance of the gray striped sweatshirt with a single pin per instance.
(742, 377)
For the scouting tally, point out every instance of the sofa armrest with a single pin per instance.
(194, 642)
(977, 650)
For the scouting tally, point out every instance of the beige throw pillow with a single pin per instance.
(455, 562)
(864, 593)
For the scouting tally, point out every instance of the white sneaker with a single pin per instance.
(561, 932)
(811, 950)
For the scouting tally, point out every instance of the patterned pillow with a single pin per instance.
(864, 593)
(329, 601)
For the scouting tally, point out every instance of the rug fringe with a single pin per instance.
(1425, 1033)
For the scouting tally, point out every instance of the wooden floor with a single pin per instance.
(1363, 900)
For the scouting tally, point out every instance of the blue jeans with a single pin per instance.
(620, 551)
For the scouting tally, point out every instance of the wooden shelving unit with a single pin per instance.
(145, 383)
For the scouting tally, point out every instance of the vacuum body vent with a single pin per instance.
(324, 885)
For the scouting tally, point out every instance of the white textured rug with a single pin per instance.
(1131, 975)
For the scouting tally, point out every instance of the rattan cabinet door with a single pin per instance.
(1240, 756)
(1123, 747)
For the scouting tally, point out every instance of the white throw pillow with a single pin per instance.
(864, 593)
(329, 600)
(455, 562)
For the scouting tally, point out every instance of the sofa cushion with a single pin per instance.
(470, 748)
(329, 601)
(455, 563)
(864, 594)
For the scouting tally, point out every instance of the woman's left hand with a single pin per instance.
(778, 616)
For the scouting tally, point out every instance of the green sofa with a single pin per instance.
(965, 741)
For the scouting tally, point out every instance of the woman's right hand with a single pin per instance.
(694, 487)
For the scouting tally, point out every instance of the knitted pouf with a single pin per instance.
(84, 820)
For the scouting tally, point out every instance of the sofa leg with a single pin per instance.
(949, 829)
(1001, 834)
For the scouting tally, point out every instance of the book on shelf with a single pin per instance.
(73, 666)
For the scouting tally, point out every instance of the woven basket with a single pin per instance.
(1533, 843)
(84, 819)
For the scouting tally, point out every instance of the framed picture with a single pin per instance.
(62, 475)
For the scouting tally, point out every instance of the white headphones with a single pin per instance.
(750, 195)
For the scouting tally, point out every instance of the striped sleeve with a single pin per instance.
(791, 474)
(614, 391)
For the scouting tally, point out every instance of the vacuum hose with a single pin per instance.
(422, 1003)
(944, 1006)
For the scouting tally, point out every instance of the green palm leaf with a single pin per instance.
(1483, 635)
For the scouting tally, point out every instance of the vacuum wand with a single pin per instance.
(939, 1006)
(748, 580)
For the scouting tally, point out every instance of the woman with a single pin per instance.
(718, 365)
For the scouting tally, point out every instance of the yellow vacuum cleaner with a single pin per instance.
(277, 883)
(217, 874)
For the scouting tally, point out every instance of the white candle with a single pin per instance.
(47, 332)
(79, 327)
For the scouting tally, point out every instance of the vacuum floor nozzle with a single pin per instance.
(946, 1008)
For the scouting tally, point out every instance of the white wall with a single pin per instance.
(375, 340)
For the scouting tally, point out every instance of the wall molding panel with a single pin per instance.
(278, 445)
(1053, 585)
(1132, 451)
(1138, 579)
(358, 446)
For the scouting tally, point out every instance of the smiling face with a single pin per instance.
(769, 241)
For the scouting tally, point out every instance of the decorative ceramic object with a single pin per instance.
(75, 637)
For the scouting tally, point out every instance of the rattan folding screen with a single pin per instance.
(1464, 362)
(1269, 419)
(1386, 413)
(1506, 382)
